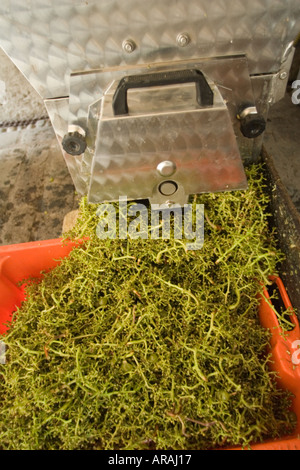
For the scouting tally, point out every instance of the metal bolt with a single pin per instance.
(283, 75)
(128, 46)
(166, 168)
(183, 39)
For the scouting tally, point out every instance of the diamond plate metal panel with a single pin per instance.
(230, 75)
(198, 141)
(49, 40)
(72, 51)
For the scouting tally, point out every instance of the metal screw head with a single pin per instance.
(166, 168)
(128, 46)
(283, 75)
(183, 39)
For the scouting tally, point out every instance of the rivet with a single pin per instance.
(183, 39)
(128, 46)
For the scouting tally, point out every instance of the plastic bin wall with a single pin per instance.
(18, 262)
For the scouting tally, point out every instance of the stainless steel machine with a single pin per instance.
(154, 100)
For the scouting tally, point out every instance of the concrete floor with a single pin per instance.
(36, 190)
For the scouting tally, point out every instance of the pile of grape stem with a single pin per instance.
(143, 344)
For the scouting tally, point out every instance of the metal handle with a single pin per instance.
(204, 92)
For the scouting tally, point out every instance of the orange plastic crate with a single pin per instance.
(21, 261)
(285, 360)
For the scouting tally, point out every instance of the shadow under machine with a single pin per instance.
(154, 100)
